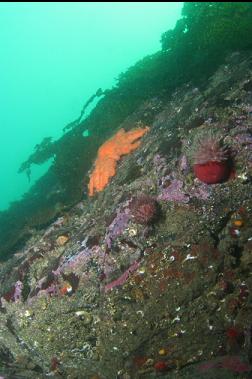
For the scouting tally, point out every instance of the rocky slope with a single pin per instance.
(108, 291)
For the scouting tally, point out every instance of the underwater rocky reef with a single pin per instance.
(151, 275)
(131, 258)
(190, 53)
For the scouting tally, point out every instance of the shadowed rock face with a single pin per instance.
(129, 300)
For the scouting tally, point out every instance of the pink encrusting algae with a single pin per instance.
(123, 278)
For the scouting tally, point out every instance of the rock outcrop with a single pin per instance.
(117, 298)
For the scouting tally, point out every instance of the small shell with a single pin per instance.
(162, 351)
(85, 316)
(149, 362)
(62, 240)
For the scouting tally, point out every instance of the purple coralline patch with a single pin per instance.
(171, 188)
(159, 163)
(184, 165)
(76, 263)
(52, 290)
(117, 226)
(174, 192)
(18, 291)
(244, 139)
(202, 191)
(56, 224)
(71, 268)
(232, 363)
(123, 278)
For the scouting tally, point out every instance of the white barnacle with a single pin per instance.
(132, 232)
(177, 318)
(189, 257)
(243, 176)
(80, 313)
(140, 313)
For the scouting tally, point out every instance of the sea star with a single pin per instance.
(109, 153)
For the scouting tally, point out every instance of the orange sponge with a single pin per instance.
(109, 153)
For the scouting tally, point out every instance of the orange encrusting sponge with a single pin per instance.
(109, 153)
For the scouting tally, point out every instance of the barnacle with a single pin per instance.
(109, 153)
